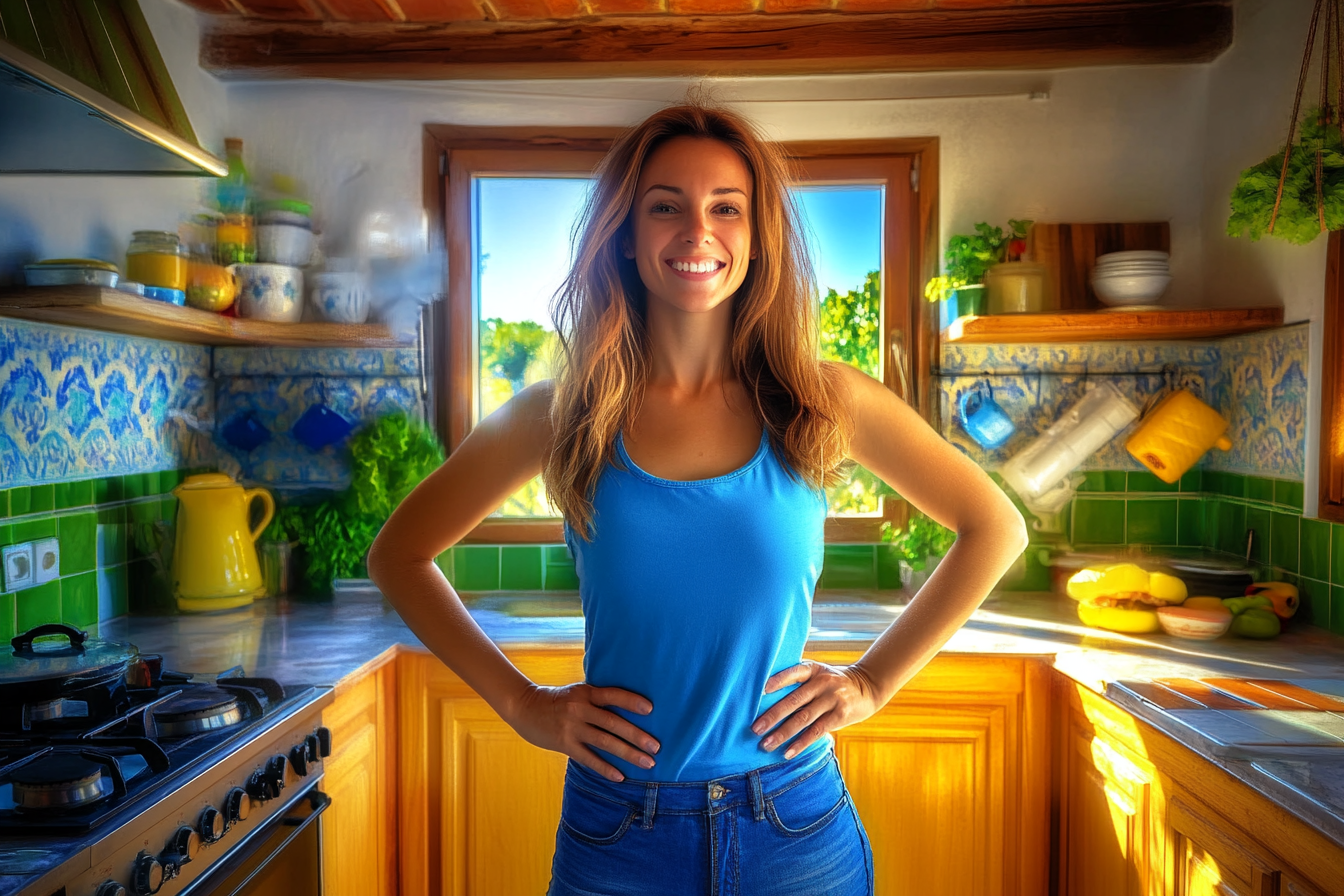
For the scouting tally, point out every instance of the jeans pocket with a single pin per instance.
(807, 806)
(594, 819)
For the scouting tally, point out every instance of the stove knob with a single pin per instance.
(324, 741)
(261, 788)
(185, 844)
(275, 770)
(237, 806)
(313, 745)
(110, 888)
(212, 823)
(298, 758)
(146, 875)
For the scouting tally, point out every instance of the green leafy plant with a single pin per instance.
(509, 347)
(969, 256)
(1298, 220)
(921, 540)
(851, 325)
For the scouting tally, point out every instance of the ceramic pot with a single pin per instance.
(341, 296)
(269, 292)
(284, 244)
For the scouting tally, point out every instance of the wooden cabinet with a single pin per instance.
(1209, 858)
(359, 830)
(951, 781)
(1107, 810)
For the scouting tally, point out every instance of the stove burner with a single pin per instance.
(196, 710)
(59, 782)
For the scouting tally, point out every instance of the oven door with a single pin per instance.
(282, 858)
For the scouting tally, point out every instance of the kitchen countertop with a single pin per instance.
(324, 642)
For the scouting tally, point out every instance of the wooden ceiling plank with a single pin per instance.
(281, 10)
(1020, 37)
(358, 11)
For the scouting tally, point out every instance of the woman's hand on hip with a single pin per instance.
(571, 719)
(827, 698)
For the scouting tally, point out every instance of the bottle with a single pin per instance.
(234, 190)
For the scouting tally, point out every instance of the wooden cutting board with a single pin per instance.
(1069, 252)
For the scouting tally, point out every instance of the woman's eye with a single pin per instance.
(729, 210)
(662, 207)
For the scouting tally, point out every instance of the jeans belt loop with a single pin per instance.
(757, 796)
(650, 805)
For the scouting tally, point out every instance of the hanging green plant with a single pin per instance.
(1299, 219)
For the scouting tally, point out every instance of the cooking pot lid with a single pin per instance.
(208, 480)
(73, 656)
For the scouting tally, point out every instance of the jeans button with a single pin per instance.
(716, 791)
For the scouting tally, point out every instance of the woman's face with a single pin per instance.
(691, 223)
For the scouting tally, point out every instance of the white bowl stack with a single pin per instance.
(1130, 279)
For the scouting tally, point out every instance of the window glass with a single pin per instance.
(844, 230)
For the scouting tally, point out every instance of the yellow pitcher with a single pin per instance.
(1176, 434)
(215, 558)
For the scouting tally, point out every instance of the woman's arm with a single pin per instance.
(894, 442)
(496, 459)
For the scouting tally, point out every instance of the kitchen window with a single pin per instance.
(494, 335)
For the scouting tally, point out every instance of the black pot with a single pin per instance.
(50, 670)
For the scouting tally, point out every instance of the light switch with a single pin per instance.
(46, 560)
(18, 560)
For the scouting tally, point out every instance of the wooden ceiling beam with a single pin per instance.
(1015, 37)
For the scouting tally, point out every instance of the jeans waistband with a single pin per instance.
(717, 794)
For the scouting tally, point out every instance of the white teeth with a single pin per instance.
(703, 267)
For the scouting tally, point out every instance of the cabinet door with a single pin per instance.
(359, 849)
(479, 805)
(1212, 858)
(1105, 830)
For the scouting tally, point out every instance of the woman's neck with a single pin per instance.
(690, 350)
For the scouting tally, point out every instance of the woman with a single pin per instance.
(686, 441)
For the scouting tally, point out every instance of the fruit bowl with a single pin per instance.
(1194, 624)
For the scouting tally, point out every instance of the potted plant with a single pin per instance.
(1299, 218)
(961, 287)
(919, 548)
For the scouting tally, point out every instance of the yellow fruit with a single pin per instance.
(1205, 603)
(1094, 581)
(1116, 619)
(1167, 588)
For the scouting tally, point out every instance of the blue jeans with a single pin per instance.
(788, 829)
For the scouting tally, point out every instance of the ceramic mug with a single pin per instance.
(982, 418)
(341, 296)
(269, 291)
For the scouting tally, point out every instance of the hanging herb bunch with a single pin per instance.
(1299, 216)
(1298, 193)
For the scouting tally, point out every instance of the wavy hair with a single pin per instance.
(603, 364)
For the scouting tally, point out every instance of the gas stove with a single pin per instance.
(166, 787)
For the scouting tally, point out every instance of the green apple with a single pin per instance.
(1255, 622)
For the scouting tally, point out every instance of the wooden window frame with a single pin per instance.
(453, 155)
(1331, 478)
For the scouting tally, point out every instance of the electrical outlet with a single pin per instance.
(46, 560)
(18, 560)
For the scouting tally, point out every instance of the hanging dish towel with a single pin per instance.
(1175, 435)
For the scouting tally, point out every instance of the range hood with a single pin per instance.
(54, 123)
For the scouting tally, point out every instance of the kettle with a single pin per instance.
(1176, 434)
(215, 557)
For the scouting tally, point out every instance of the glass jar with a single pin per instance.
(157, 258)
(1015, 287)
(235, 240)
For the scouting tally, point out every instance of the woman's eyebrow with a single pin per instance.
(717, 191)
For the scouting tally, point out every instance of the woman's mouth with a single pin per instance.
(696, 269)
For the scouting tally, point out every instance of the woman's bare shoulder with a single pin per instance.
(527, 414)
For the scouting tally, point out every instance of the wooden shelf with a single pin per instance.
(114, 311)
(1093, 326)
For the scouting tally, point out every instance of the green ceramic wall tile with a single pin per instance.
(79, 599)
(42, 498)
(520, 567)
(557, 553)
(1190, 523)
(1213, 482)
(1314, 549)
(20, 499)
(1144, 481)
(1098, 521)
(1259, 488)
(888, 567)
(32, 530)
(1151, 521)
(1288, 492)
(111, 543)
(4, 503)
(74, 494)
(1212, 507)
(1314, 603)
(1283, 545)
(151, 483)
(445, 564)
(849, 566)
(107, 489)
(1094, 481)
(8, 628)
(1192, 481)
(168, 511)
(143, 512)
(1232, 528)
(477, 567)
(1336, 610)
(134, 485)
(1234, 485)
(78, 533)
(1114, 480)
(1337, 554)
(112, 592)
(39, 605)
(561, 575)
(1258, 519)
(115, 515)
(169, 480)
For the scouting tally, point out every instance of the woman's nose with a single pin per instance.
(697, 230)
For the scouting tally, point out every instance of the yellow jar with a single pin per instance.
(157, 258)
(1015, 287)
(235, 240)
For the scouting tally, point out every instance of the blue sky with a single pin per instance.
(523, 228)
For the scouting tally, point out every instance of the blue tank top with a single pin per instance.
(694, 593)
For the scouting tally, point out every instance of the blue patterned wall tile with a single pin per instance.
(1262, 390)
(1094, 357)
(238, 361)
(79, 403)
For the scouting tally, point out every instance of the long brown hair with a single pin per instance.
(600, 315)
